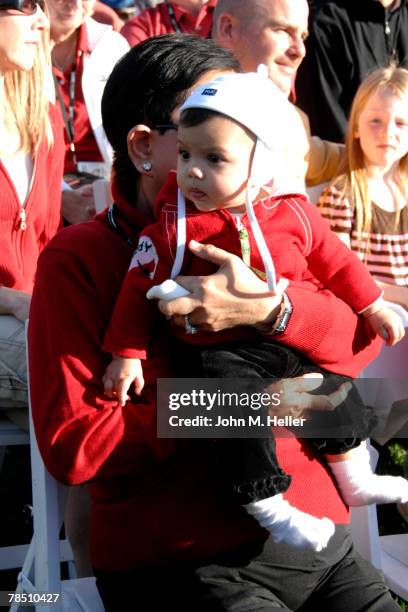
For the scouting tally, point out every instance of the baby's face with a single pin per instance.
(214, 160)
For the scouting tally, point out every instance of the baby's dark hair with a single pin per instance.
(191, 117)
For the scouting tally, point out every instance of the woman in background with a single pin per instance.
(31, 164)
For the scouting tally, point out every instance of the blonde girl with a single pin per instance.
(367, 208)
(31, 155)
(367, 203)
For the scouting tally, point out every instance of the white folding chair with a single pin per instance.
(47, 551)
(41, 571)
(387, 553)
(11, 435)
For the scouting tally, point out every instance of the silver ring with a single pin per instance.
(190, 328)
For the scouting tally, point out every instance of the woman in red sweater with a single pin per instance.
(31, 157)
(162, 534)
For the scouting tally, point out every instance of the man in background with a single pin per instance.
(273, 32)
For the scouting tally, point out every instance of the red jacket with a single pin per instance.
(157, 20)
(20, 248)
(302, 246)
(152, 502)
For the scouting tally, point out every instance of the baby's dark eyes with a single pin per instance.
(184, 154)
(214, 158)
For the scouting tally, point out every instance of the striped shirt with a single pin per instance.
(387, 253)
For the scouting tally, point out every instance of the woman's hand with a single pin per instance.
(14, 302)
(296, 399)
(230, 297)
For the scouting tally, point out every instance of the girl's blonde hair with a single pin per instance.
(25, 101)
(353, 179)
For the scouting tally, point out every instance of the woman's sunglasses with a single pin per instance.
(26, 7)
(163, 127)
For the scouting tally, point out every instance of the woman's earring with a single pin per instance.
(147, 166)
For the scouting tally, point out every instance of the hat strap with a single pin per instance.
(181, 235)
(260, 241)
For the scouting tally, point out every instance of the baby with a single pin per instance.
(233, 170)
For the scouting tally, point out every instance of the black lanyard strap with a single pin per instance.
(68, 117)
(172, 17)
(111, 215)
(392, 44)
(174, 22)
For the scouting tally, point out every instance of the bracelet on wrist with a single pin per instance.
(283, 317)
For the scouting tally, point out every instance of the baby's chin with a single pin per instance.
(204, 206)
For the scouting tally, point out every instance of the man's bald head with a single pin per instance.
(268, 32)
(245, 10)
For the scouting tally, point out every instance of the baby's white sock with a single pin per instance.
(290, 525)
(359, 486)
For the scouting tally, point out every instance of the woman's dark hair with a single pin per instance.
(147, 84)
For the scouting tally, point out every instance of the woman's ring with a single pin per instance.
(190, 328)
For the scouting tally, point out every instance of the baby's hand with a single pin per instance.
(387, 324)
(119, 375)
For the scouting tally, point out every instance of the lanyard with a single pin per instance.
(111, 216)
(174, 22)
(68, 118)
(392, 45)
(172, 16)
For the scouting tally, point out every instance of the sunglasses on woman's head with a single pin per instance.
(26, 7)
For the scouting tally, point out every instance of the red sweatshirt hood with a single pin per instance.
(129, 218)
